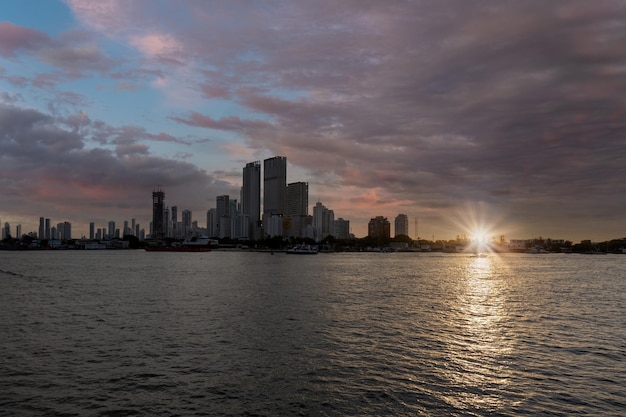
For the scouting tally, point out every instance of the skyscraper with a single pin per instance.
(187, 230)
(297, 208)
(158, 211)
(222, 204)
(251, 200)
(323, 221)
(47, 231)
(42, 229)
(401, 224)
(174, 214)
(274, 189)
(91, 231)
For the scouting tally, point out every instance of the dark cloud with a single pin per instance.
(47, 170)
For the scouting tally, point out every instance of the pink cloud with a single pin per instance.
(14, 38)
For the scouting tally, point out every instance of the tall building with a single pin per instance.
(342, 229)
(91, 231)
(42, 229)
(251, 201)
(323, 221)
(222, 227)
(187, 230)
(47, 231)
(18, 231)
(211, 222)
(297, 208)
(379, 227)
(65, 230)
(158, 211)
(174, 212)
(401, 224)
(274, 189)
(111, 232)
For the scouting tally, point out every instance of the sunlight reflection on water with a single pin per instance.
(478, 353)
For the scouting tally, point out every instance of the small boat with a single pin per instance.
(303, 250)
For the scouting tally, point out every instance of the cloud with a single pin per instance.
(47, 170)
(415, 105)
(14, 38)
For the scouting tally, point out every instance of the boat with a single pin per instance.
(200, 244)
(303, 250)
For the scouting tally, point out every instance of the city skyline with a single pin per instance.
(503, 117)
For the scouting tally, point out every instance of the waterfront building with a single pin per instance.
(274, 189)
(6, 230)
(47, 230)
(18, 231)
(401, 224)
(379, 227)
(111, 233)
(174, 213)
(91, 231)
(251, 201)
(222, 228)
(42, 229)
(342, 229)
(323, 221)
(211, 222)
(297, 209)
(158, 211)
(186, 224)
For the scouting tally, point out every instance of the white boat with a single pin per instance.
(303, 250)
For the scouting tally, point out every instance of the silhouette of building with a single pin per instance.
(158, 214)
(274, 192)
(342, 229)
(251, 201)
(297, 214)
(379, 227)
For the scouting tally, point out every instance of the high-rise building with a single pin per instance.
(274, 189)
(174, 212)
(323, 221)
(297, 208)
(342, 229)
(158, 212)
(91, 231)
(401, 224)
(379, 227)
(42, 229)
(211, 222)
(251, 201)
(18, 231)
(186, 223)
(222, 227)
(47, 231)
(111, 232)
(64, 230)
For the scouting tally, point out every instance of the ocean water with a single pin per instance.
(121, 333)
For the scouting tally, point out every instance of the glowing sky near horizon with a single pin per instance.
(447, 111)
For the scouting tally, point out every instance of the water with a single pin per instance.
(117, 333)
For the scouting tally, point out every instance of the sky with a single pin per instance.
(508, 116)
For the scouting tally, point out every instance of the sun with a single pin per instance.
(480, 236)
